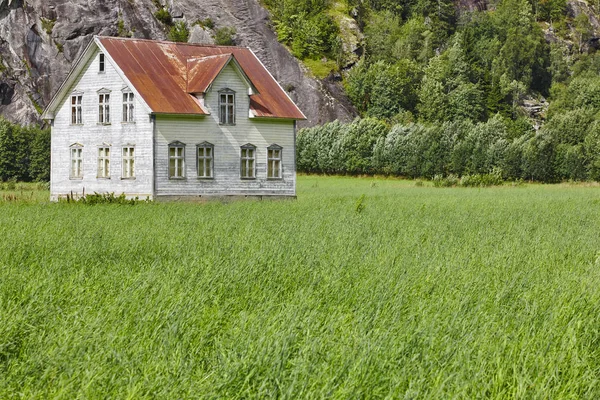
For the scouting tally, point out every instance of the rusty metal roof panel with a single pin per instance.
(160, 72)
(201, 72)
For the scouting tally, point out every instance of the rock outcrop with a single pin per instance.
(41, 39)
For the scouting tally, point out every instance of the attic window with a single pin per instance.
(101, 64)
(226, 107)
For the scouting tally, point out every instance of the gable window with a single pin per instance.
(226, 107)
(76, 161)
(176, 160)
(128, 107)
(248, 167)
(205, 160)
(101, 63)
(103, 108)
(76, 113)
(274, 161)
(128, 162)
(104, 162)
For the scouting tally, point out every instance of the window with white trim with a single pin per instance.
(104, 162)
(274, 161)
(128, 107)
(101, 63)
(76, 111)
(128, 162)
(226, 107)
(76, 162)
(205, 153)
(176, 160)
(248, 158)
(104, 108)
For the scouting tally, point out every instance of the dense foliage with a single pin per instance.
(437, 62)
(411, 292)
(567, 148)
(24, 152)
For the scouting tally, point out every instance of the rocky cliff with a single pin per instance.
(40, 39)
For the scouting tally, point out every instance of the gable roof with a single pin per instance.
(166, 73)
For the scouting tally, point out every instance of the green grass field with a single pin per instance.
(426, 293)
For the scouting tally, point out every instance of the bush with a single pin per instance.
(164, 16)
(449, 181)
(105, 198)
(482, 180)
(179, 32)
(224, 36)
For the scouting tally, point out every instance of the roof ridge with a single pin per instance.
(211, 56)
(169, 42)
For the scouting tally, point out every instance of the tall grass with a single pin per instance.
(424, 293)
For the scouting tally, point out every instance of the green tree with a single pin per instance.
(179, 32)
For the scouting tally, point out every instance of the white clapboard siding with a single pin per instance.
(227, 141)
(92, 135)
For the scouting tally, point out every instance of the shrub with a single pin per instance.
(224, 36)
(164, 16)
(179, 32)
(449, 181)
(494, 178)
(105, 198)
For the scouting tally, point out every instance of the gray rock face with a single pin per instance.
(41, 39)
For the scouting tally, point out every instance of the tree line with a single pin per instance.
(24, 152)
(456, 148)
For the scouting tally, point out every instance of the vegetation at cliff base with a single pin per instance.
(362, 287)
(443, 61)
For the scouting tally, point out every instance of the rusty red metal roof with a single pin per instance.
(201, 72)
(166, 73)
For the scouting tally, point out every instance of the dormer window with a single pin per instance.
(101, 63)
(226, 107)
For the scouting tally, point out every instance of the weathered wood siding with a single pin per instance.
(92, 135)
(227, 140)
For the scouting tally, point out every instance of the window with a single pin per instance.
(176, 160)
(226, 107)
(248, 165)
(128, 107)
(76, 162)
(205, 160)
(128, 162)
(104, 162)
(76, 101)
(101, 63)
(103, 108)
(274, 161)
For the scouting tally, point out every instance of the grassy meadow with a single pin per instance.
(417, 292)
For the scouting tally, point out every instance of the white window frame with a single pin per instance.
(178, 160)
(104, 107)
(128, 106)
(225, 116)
(273, 160)
(103, 162)
(101, 63)
(128, 162)
(77, 109)
(76, 161)
(205, 161)
(248, 161)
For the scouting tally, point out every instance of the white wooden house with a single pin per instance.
(171, 120)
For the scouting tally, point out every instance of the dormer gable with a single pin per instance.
(202, 72)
